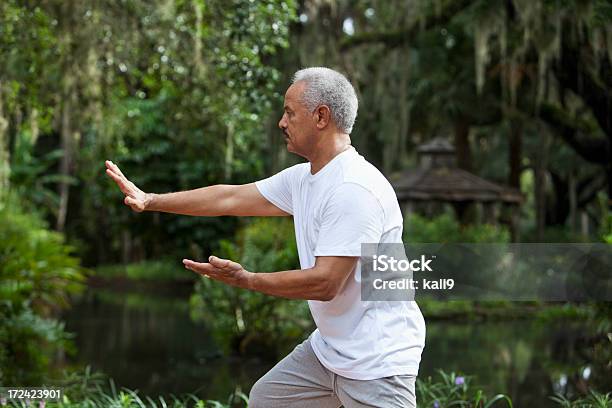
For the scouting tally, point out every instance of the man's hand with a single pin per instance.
(321, 282)
(222, 270)
(134, 197)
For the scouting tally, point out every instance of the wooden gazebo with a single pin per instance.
(437, 182)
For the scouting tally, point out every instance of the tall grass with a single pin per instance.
(87, 389)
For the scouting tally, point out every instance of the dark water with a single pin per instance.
(148, 342)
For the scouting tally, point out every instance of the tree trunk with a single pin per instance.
(462, 144)
(573, 200)
(515, 148)
(4, 153)
(67, 146)
(559, 209)
(540, 186)
(68, 104)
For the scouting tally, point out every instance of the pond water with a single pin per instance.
(147, 341)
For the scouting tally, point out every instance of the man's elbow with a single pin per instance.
(328, 291)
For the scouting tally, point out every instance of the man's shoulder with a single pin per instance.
(296, 171)
(362, 172)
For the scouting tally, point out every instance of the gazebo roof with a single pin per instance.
(438, 179)
(450, 184)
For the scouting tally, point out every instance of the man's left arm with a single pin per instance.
(351, 216)
(321, 282)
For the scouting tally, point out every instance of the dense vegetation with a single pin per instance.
(187, 93)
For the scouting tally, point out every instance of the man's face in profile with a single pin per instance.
(297, 123)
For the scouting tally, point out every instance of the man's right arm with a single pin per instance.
(221, 199)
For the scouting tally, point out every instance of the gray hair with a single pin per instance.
(325, 86)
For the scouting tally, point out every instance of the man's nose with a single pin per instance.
(281, 123)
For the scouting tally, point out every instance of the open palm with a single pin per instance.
(134, 197)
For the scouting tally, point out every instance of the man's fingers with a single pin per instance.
(119, 180)
(114, 176)
(223, 263)
(112, 166)
(118, 170)
(198, 267)
(130, 201)
(218, 262)
(215, 267)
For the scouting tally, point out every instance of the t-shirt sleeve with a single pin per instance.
(351, 216)
(277, 188)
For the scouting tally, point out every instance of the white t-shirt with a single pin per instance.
(346, 203)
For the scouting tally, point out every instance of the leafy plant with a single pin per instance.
(35, 263)
(445, 229)
(593, 400)
(456, 390)
(157, 270)
(38, 273)
(246, 321)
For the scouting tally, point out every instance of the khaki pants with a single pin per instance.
(301, 381)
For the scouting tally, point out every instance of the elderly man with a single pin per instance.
(363, 353)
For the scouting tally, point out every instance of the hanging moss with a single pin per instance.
(481, 52)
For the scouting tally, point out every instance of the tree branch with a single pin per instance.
(573, 72)
(403, 36)
(592, 149)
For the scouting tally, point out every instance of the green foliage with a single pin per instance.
(35, 263)
(32, 177)
(175, 92)
(456, 390)
(607, 230)
(38, 273)
(196, 117)
(27, 341)
(143, 301)
(246, 321)
(469, 310)
(593, 400)
(603, 317)
(157, 270)
(445, 229)
(266, 245)
(88, 389)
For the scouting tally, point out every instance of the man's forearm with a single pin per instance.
(307, 284)
(205, 201)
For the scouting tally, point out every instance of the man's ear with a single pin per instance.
(323, 116)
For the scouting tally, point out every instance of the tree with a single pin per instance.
(174, 90)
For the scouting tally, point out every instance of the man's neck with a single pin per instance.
(324, 153)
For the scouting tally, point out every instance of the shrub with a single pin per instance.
(37, 274)
(152, 270)
(87, 389)
(592, 400)
(249, 322)
(607, 230)
(445, 229)
(455, 391)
